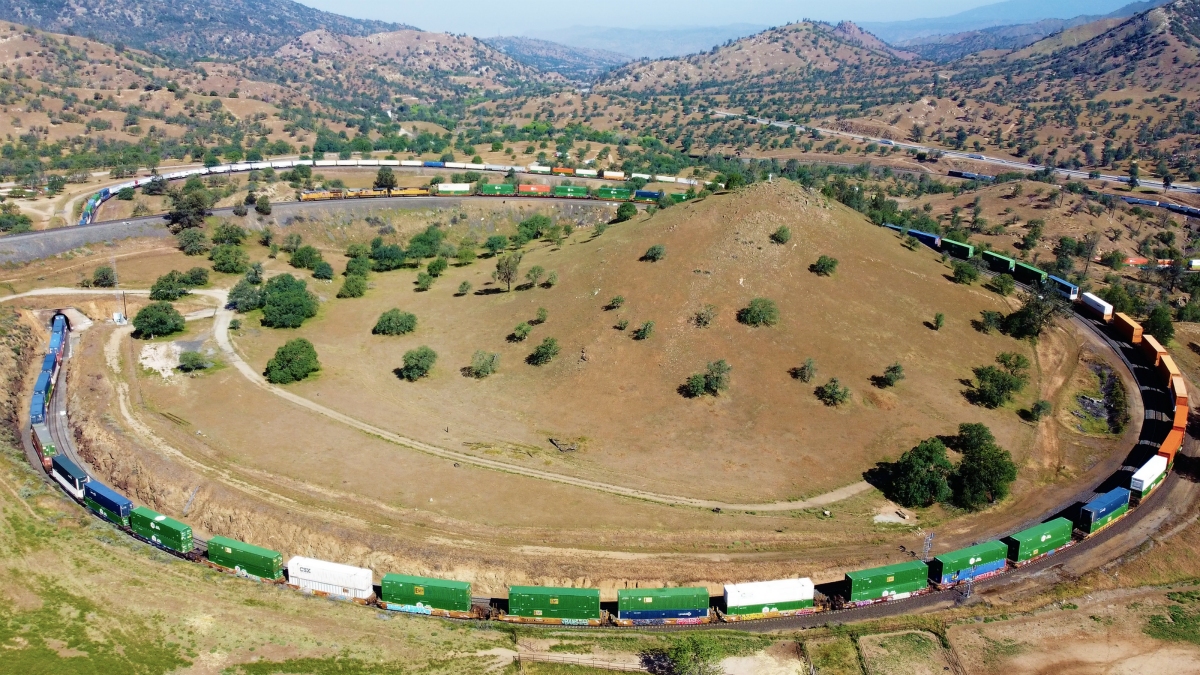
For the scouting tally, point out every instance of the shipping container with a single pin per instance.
(563, 171)
(647, 196)
(423, 595)
(957, 248)
(1103, 510)
(161, 530)
(974, 562)
(1099, 308)
(1129, 330)
(245, 558)
(455, 165)
(453, 188)
(1171, 445)
(324, 578)
(644, 606)
(496, 167)
(37, 408)
(472, 166)
(499, 190)
(643, 176)
(434, 165)
(678, 197)
(586, 173)
(44, 445)
(1064, 288)
(764, 599)
(1153, 350)
(613, 175)
(411, 162)
(1147, 478)
(1181, 417)
(70, 476)
(107, 503)
(1039, 540)
(573, 191)
(534, 190)
(1168, 371)
(998, 263)
(1028, 274)
(535, 168)
(50, 363)
(890, 582)
(615, 193)
(540, 604)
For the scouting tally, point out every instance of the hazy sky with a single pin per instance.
(486, 18)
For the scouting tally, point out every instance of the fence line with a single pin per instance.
(577, 660)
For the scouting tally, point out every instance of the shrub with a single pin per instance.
(169, 287)
(157, 319)
(655, 253)
(355, 286)
(825, 266)
(622, 324)
(644, 331)
(417, 363)
(616, 302)
(1040, 409)
(192, 242)
(781, 236)
(965, 273)
(424, 281)
(545, 352)
(263, 206)
(235, 324)
(483, 364)
(891, 375)
(1004, 284)
(358, 266)
(464, 288)
(245, 297)
(939, 320)
(760, 312)
(806, 372)
(287, 302)
(395, 322)
(465, 254)
(228, 233)
(995, 386)
(104, 277)
(521, 332)
(624, 212)
(832, 393)
(534, 275)
(1159, 324)
(323, 270)
(716, 376)
(552, 280)
(542, 315)
(191, 361)
(706, 316)
(292, 242)
(437, 266)
(694, 387)
(229, 258)
(294, 361)
(305, 258)
(197, 276)
(240, 210)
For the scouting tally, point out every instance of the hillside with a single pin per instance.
(188, 29)
(576, 63)
(1005, 13)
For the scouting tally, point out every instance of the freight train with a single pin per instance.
(659, 606)
(92, 205)
(498, 190)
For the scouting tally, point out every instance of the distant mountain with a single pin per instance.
(1007, 13)
(650, 44)
(228, 29)
(576, 63)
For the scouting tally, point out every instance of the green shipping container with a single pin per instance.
(967, 563)
(613, 193)
(662, 602)
(998, 263)
(500, 189)
(881, 582)
(679, 197)
(1027, 274)
(414, 594)
(570, 191)
(1039, 540)
(554, 603)
(248, 558)
(957, 248)
(166, 532)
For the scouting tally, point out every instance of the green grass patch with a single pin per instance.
(1179, 624)
(838, 656)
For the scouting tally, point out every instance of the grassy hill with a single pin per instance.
(578, 63)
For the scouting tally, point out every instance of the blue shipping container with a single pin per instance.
(1102, 506)
(436, 165)
(1065, 288)
(108, 498)
(37, 410)
(56, 342)
(60, 323)
(972, 572)
(643, 614)
(43, 384)
(71, 473)
(49, 362)
(647, 194)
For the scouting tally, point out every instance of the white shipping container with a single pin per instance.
(1194, 264)
(474, 167)
(220, 168)
(243, 166)
(1148, 473)
(325, 162)
(260, 165)
(454, 187)
(1099, 306)
(539, 167)
(347, 162)
(389, 162)
(368, 162)
(665, 179)
(768, 592)
(411, 162)
(495, 167)
(284, 164)
(329, 577)
(302, 162)
(586, 173)
(643, 176)
(614, 175)
(455, 165)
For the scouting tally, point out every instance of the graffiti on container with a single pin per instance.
(411, 609)
(574, 622)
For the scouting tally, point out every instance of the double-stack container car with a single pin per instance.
(107, 503)
(162, 531)
(1147, 478)
(768, 599)
(69, 476)
(651, 606)
(1103, 510)
(1039, 541)
(890, 582)
(974, 562)
(330, 579)
(567, 606)
(244, 558)
(424, 595)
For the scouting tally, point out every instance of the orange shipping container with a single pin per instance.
(1153, 350)
(533, 189)
(1171, 445)
(563, 171)
(1179, 389)
(1167, 368)
(1127, 328)
(1181, 416)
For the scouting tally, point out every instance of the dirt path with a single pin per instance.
(221, 330)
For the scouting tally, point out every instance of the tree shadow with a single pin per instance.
(880, 476)
(880, 382)
(929, 325)
(656, 662)
(489, 291)
(513, 338)
(797, 373)
(523, 287)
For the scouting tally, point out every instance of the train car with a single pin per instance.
(43, 444)
(678, 197)
(891, 582)
(768, 599)
(571, 191)
(659, 606)
(50, 365)
(317, 195)
(534, 190)
(998, 263)
(643, 176)
(411, 192)
(1098, 308)
(614, 193)
(456, 189)
(1129, 330)
(69, 475)
(1038, 541)
(245, 559)
(499, 190)
(1140, 202)
(1147, 478)
(537, 168)
(1181, 414)
(565, 606)
(162, 531)
(957, 248)
(37, 406)
(1064, 288)
(613, 175)
(411, 162)
(587, 173)
(651, 196)
(1028, 274)
(1171, 446)
(331, 580)
(455, 165)
(367, 193)
(434, 165)
(562, 171)
(424, 595)
(974, 562)
(1168, 370)
(1103, 511)
(58, 343)
(107, 503)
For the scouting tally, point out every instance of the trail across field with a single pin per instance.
(221, 330)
